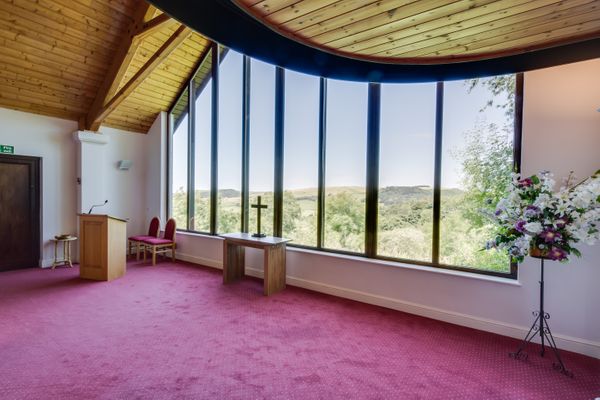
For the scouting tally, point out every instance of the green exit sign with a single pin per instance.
(6, 149)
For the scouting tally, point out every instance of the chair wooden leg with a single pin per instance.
(153, 255)
(137, 251)
(173, 253)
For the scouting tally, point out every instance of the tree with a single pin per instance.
(345, 216)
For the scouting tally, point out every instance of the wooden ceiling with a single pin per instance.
(112, 62)
(425, 32)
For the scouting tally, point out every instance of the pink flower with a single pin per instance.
(550, 236)
(520, 226)
(561, 222)
(525, 182)
(557, 254)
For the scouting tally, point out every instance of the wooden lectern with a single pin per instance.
(102, 247)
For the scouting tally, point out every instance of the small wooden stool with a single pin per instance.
(66, 251)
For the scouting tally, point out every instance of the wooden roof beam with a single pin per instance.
(120, 64)
(94, 120)
(154, 25)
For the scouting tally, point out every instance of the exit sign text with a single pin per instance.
(6, 149)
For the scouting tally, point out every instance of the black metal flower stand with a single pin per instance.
(540, 327)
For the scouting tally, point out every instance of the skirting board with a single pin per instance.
(568, 343)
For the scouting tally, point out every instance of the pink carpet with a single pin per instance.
(174, 331)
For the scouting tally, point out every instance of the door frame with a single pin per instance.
(36, 209)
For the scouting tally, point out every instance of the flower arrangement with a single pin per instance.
(534, 219)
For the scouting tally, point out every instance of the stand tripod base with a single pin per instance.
(259, 235)
(540, 327)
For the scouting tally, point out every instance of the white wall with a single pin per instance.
(52, 139)
(49, 138)
(126, 189)
(156, 164)
(561, 132)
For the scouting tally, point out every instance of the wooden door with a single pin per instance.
(20, 212)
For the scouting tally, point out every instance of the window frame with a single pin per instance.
(372, 167)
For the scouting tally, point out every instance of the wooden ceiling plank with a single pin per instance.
(36, 98)
(114, 22)
(129, 128)
(119, 66)
(529, 44)
(133, 110)
(124, 7)
(180, 61)
(8, 78)
(572, 34)
(200, 63)
(133, 118)
(39, 63)
(52, 61)
(57, 53)
(12, 59)
(21, 105)
(471, 33)
(32, 90)
(7, 69)
(25, 25)
(159, 74)
(588, 21)
(369, 10)
(267, 7)
(297, 10)
(162, 104)
(154, 25)
(410, 15)
(499, 27)
(339, 8)
(54, 26)
(442, 26)
(65, 19)
(95, 118)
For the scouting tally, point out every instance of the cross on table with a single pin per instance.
(258, 207)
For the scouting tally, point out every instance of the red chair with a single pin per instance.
(136, 241)
(162, 245)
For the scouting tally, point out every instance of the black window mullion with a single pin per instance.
(278, 150)
(437, 177)
(321, 165)
(191, 206)
(518, 122)
(517, 139)
(245, 144)
(214, 139)
(372, 184)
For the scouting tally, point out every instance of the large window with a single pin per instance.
(345, 169)
(202, 89)
(262, 136)
(300, 177)
(179, 122)
(406, 166)
(439, 155)
(230, 138)
(477, 159)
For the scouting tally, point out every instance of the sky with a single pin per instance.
(407, 130)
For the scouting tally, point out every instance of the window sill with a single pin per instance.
(198, 234)
(396, 264)
(393, 264)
